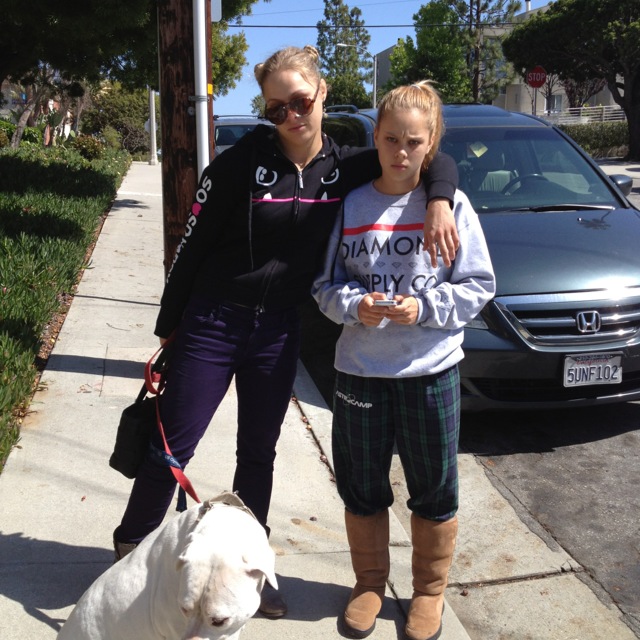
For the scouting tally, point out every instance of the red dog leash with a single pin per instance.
(154, 381)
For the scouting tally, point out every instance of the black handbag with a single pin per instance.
(138, 420)
(134, 433)
(137, 423)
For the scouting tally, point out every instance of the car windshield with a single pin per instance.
(523, 168)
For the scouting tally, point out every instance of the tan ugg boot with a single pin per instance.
(369, 545)
(433, 545)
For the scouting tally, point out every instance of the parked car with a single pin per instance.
(564, 327)
(227, 130)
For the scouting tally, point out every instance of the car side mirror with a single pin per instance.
(623, 182)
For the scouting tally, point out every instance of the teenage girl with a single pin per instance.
(397, 377)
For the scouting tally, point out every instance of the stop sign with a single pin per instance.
(536, 77)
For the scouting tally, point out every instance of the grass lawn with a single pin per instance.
(52, 204)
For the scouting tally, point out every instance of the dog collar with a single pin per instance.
(227, 498)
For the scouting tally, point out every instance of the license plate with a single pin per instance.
(588, 369)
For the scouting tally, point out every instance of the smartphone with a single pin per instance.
(385, 303)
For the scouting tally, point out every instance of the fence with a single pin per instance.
(585, 115)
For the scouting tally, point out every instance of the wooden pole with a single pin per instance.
(179, 143)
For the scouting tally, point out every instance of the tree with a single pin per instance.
(121, 109)
(458, 45)
(583, 40)
(138, 65)
(548, 88)
(90, 40)
(437, 54)
(227, 58)
(40, 85)
(257, 105)
(347, 68)
(78, 38)
(579, 91)
(480, 29)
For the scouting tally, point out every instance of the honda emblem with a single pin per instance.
(588, 322)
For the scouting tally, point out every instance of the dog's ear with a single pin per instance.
(193, 567)
(262, 560)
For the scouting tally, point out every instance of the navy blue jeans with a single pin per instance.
(215, 342)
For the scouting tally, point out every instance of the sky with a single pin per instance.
(394, 17)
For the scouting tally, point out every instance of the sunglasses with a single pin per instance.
(299, 106)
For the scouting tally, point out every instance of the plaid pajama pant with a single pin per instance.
(421, 417)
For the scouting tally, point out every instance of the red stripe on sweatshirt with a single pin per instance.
(353, 231)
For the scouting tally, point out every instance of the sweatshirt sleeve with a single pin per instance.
(204, 226)
(337, 297)
(471, 284)
(441, 178)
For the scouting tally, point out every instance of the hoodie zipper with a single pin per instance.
(296, 211)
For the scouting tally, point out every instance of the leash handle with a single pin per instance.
(154, 369)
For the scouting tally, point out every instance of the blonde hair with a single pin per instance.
(423, 96)
(305, 61)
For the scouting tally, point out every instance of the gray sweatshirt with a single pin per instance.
(378, 247)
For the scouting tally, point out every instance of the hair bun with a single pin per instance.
(312, 52)
(305, 60)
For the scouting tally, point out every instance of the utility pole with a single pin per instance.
(177, 111)
(153, 151)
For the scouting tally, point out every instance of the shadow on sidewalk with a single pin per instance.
(42, 575)
(94, 365)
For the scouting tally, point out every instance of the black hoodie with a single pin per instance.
(258, 227)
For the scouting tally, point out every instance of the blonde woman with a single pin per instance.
(397, 377)
(255, 239)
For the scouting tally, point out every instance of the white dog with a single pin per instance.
(198, 577)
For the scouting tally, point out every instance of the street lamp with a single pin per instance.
(375, 66)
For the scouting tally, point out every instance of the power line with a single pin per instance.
(372, 26)
(315, 26)
(362, 4)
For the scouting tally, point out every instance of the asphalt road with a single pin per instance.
(576, 473)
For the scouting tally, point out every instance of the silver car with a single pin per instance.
(227, 130)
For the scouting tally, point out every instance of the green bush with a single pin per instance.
(4, 139)
(30, 134)
(88, 147)
(7, 127)
(125, 111)
(600, 139)
(51, 204)
(111, 137)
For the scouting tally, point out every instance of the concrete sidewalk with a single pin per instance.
(61, 501)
